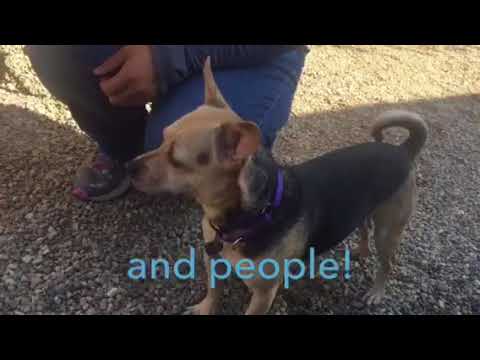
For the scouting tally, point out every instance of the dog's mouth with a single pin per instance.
(147, 187)
(154, 186)
(140, 185)
(144, 183)
(138, 172)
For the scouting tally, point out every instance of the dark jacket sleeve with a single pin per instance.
(175, 63)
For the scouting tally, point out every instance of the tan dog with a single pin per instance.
(216, 157)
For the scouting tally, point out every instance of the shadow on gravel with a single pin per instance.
(81, 251)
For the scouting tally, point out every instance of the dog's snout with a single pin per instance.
(133, 167)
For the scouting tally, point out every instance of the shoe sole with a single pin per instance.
(120, 190)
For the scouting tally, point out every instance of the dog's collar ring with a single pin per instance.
(237, 242)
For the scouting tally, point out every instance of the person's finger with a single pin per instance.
(116, 84)
(111, 64)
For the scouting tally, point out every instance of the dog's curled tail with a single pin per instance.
(413, 122)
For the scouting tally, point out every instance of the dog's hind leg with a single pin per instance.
(390, 220)
(386, 243)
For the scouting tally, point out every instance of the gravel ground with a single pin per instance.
(60, 256)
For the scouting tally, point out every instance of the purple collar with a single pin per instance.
(246, 227)
(277, 200)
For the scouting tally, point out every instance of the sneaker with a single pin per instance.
(104, 180)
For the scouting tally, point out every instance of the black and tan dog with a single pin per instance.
(257, 209)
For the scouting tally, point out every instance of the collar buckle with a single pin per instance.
(237, 242)
(267, 209)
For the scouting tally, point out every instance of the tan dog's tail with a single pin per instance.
(416, 126)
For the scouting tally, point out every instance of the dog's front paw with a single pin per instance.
(206, 307)
(374, 296)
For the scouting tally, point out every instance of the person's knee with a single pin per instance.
(67, 71)
(47, 57)
(53, 64)
(37, 53)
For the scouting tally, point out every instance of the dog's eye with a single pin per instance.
(175, 162)
(203, 158)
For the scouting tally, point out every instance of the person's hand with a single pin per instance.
(128, 77)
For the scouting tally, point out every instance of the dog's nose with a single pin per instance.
(133, 168)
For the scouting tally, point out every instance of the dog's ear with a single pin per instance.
(213, 96)
(236, 141)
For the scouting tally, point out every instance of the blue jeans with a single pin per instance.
(262, 94)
